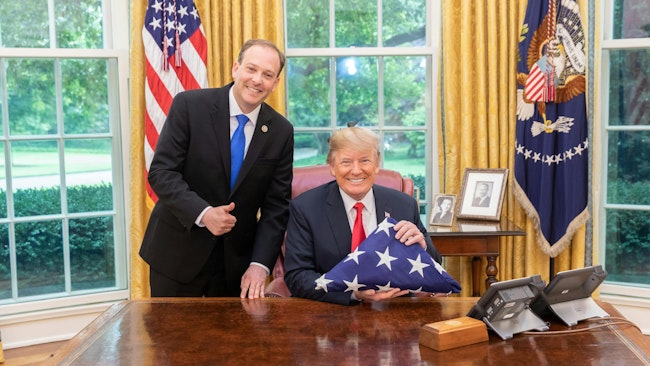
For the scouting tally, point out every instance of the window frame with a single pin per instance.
(430, 50)
(612, 291)
(117, 50)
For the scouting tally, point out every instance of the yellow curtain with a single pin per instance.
(478, 110)
(227, 25)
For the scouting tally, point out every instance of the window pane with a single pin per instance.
(628, 246)
(78, 23)
(310, 148)
(39, 258)
(405, 91)
(307, 23)
(31, 97)
(92, 253)
(88, 175)
(628, 168)
(24, 24)
(404, 23)
(405, 153)
(5, 264)
(308, 91)
(356, 91)
(631, 19)
(356, 23)
(85, 96)
(36, 178)
(629, 87)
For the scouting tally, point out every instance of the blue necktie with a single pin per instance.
(237, 144)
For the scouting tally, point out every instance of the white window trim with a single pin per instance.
(632, 301)
(49, 320)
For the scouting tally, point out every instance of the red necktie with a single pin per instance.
(358, 234)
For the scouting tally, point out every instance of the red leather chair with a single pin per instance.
(306, 178)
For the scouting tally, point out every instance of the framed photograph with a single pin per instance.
(443, 209)
(481, 194)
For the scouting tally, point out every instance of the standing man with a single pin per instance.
(213, 231)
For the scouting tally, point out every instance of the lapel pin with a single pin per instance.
(265, 128)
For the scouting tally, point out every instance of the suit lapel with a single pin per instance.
(338, 219)
(382, 206)
(220, 117)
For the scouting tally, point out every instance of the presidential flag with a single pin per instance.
(382, 262)
(551, 147)
(176, 52)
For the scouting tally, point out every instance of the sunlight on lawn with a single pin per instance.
(33, 164)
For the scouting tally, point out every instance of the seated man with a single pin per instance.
(322, 220)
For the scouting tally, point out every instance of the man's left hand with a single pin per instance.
(253, 282)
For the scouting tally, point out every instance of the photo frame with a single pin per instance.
(481, 194)
(443, 210)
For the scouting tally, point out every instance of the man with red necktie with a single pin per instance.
(322, 220)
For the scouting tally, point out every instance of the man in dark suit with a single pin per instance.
(321, 220)
(205, 238)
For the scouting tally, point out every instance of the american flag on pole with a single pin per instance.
(176, 52)
(382, 262)
(551, 147)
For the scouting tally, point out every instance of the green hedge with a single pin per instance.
(39, 244)
(628, 233)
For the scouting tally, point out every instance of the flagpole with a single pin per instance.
(551, 268)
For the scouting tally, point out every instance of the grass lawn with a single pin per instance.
(39, 163)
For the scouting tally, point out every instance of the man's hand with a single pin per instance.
(219, 220)
(253, 282)
(409, 234)
(373, 295)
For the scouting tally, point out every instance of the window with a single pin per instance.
(62, 220)
(369, 63)
(625, 130)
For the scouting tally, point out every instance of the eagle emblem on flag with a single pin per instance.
(382, 263)
(551, 146)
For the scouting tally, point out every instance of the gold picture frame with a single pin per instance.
(481, 194)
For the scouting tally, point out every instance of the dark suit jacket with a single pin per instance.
(319, 235)
(191, 170)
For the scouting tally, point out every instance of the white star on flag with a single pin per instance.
(354, 256)
(418, 266)
(354, 285)
(385, 259)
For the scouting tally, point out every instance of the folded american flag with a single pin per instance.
(382, 262)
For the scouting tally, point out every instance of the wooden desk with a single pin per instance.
(475, 239)
(291, 331)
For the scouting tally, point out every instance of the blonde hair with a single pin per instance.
(355, 138)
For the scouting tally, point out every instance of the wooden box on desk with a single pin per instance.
(453, 333)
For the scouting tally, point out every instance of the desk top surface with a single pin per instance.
(290, 331)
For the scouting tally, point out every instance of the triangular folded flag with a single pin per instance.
(382, 262)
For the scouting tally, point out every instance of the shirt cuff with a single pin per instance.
(261, 265)
(199, 220)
